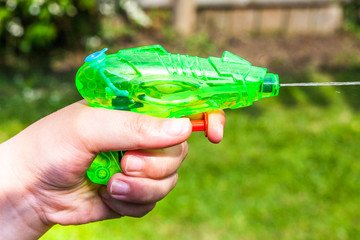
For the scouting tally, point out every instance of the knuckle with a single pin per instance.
(174, 180)
(140, 126)
(158, 171)
(132, 209)
(80, 126)
(143, 210)
(167, 187)
(158, 191)
(168, 164)
(137, 125)
(185, 149)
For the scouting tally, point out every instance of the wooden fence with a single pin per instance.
(236, 17)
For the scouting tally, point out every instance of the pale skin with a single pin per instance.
(43, 169)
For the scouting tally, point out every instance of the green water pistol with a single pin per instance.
(151, 81)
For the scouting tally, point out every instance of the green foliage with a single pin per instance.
(200, 44)
(36, 24)
(25, 98)
(38, 35)
(352, 17)
(87, 4)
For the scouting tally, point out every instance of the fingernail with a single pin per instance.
(119, 188)
(133, 164)
(176, 127)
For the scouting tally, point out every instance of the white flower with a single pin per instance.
(34, 9)
(56, 9)
(15, 28)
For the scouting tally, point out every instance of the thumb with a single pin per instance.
(104, 130)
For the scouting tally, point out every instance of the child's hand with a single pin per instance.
(43, 169)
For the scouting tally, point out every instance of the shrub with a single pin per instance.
(26, 26)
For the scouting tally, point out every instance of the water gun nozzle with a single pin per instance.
(271, 85)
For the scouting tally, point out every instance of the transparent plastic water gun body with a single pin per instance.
(151, 81)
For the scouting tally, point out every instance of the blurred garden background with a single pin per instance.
(288, 167)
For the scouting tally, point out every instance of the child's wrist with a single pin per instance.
(19, 218)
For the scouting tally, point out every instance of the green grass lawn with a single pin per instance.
(288, 168)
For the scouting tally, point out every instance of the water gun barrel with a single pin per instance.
(151, 81)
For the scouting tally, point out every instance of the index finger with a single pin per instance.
(215, 124)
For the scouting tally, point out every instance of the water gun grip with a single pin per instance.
(107, 164)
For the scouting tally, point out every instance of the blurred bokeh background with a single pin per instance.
(288, 167)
